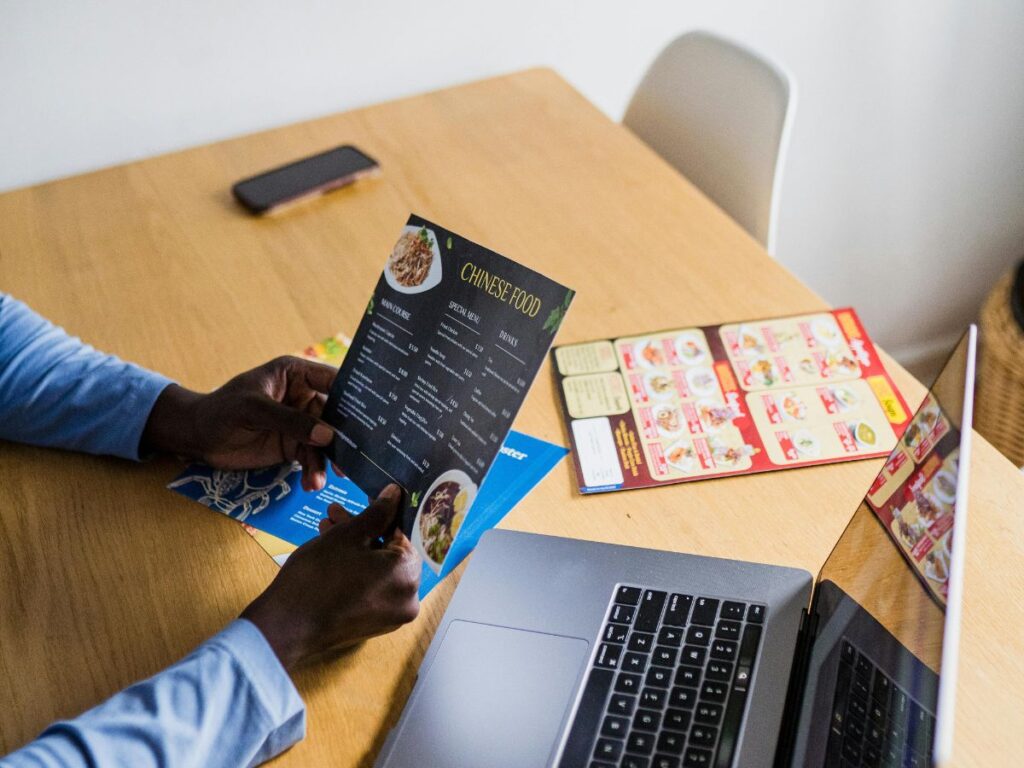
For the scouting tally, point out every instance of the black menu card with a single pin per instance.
(444, 356)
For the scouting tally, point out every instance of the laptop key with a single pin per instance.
(755, 614)
(634, 761)
(659, 677)
(621, 704)
(871, 756)
(628, 595)
(634, 662)
(653, 698)
(650, 610)
(723, 650)
(708, 713)
(688, 676)
(693, 654)
(681, 697)
(665, 761)
(671, 742)
(640, 743)
(646, 720)
(703, 736)
(615, 633)
(733, 610)
(848, 655)
(704, 611)
(698, 635)
(676, 720)
(641, 641)
(697, 758)
(626, 683)
(608, 749)
(719, 670)
(728, 630)
(713, 691)
(598, 764)
(881, 688)
(677, 610)
(608, 656)
(857, 709)
(616, 727)
(670, 636)
(664, 656)
(622, 614)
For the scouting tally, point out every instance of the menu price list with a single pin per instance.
(444, 356)
(692, 403)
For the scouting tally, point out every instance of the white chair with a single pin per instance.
(721, 114)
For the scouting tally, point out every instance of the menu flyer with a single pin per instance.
(274, 509)
(439, 366)
(915, 494)
(695, 403)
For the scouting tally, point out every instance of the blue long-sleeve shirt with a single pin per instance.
(230, 702)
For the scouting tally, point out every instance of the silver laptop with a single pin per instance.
(560, 652)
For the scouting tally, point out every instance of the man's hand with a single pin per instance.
(341, 587)
(265, 416)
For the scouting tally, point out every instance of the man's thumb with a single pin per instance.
(379, 517)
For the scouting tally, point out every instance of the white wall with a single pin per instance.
(904, 192)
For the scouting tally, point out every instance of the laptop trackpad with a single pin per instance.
(493, 696)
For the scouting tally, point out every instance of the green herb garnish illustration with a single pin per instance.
(369, 307)
(556, 315)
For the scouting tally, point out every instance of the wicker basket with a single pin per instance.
(1000, 400)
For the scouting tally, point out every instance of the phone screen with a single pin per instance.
(319, 173)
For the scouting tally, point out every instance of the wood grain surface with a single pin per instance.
(106, 577)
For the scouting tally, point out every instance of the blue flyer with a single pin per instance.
(281, 516)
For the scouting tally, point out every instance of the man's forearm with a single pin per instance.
(57, 391)
(229, 703)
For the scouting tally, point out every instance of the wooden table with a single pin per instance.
(106, 577)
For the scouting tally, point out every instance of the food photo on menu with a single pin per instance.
(694, 403)
(450, 342)
(280, 515)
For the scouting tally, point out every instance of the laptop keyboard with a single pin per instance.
(874, 721)
(669, 682)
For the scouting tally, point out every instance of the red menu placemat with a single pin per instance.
(694, 403)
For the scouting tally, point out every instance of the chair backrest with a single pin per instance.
(720, 114)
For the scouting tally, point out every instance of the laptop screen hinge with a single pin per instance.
(795, 691)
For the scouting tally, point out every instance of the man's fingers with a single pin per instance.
(291, 423)
(377, 518)
(314, 467)
(338, 514)
(317, 376)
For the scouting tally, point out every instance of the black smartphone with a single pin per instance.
(304, 178)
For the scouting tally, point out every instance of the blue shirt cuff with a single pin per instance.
(146, 388)
(273, 686)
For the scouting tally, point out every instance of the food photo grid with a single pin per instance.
(914, 496)
(694, 403)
